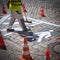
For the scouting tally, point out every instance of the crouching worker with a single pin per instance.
(16, 13)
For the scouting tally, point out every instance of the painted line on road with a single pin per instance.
(4, 18)
(39, 21)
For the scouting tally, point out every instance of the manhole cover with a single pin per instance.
(57, 48)
(54, 47)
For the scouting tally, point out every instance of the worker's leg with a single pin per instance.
(11, 23)
(21, 21)
(12, 20)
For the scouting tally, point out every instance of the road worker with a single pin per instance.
(16, 13)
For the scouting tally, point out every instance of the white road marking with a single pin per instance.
(39, 21)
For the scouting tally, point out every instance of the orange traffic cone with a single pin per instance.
(42, 12)
(2, 44)
(24, 8)
(3, 9)
(26, 54)
(47, 55)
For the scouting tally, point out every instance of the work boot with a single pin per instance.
(28, 21)
(27, 30)
(10, 30)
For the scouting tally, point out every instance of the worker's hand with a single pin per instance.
(18, 12)
(8, 4)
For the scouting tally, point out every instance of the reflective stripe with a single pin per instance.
(25, 45)
(15, 0)
(16, 4)
(26, 52)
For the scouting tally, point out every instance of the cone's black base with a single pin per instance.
(4, 48)
(10, 30)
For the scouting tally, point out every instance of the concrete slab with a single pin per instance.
(4, 55)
